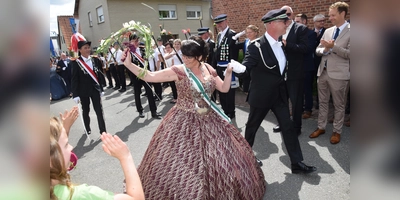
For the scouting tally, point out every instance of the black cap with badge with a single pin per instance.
(277, 14)
(220, 18)
(202, 30)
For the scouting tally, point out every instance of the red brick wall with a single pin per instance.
(242, 13)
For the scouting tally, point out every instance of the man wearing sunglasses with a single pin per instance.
(295, 43)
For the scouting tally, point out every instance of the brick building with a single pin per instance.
(242, 13)
(64, 33)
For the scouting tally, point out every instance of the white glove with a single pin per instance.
(237, 67)
(63, 68)
(77, 100)
(237, 36)
(101, 94)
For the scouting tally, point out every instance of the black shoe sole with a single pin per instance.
(298, 171)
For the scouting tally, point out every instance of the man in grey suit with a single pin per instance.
(334, 70)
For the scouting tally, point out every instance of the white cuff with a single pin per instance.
(237, 67)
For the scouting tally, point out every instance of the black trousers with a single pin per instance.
(246, 84)
(157, 90)
(114, 73)
(137, 86)
(227, 101)
(308, 90)
(173, 88)
(296, 91)
(289, 136)
(121, 76)
(98, 108)
(108, 75)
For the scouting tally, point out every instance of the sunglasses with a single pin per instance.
(288, 14)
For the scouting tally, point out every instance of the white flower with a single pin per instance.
(125, 25)
(132, 22)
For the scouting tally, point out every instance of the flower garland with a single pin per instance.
(140, 30)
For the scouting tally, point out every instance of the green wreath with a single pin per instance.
(141, 31)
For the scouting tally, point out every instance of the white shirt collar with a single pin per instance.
(223, 34)
(271, 40)
(284, 36)
(342, 26)
(86, 59)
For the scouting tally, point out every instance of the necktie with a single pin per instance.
(336, 34)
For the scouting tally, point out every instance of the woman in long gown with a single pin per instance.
(58, 88)
(195, 153)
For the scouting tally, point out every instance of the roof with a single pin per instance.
(64, 28)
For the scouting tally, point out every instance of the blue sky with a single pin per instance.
(59, 7)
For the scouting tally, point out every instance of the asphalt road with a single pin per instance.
(95, 167)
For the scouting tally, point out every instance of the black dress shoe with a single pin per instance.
(110, 86)
(300, 167)
(156, 115)
(89, 132)
(144, 95)
(122, 90)
(116, 88)
(276, 129)
(259, 162)
(141, 115)
(130, 84)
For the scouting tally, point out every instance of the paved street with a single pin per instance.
(95, 167)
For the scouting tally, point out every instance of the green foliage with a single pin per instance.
(241, 56)
(141, 30)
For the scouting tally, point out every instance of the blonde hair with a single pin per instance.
(253, 28)
(340, 6)
(58, 170)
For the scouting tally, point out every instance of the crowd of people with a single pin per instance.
(214, 160)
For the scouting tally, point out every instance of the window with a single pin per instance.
(193, 12)
(100, 15)
(90, 19)
(167, 11)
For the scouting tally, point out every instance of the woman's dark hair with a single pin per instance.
(195, 47)
(169, 43)
(133, 36)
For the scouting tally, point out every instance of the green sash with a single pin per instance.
(199, 87)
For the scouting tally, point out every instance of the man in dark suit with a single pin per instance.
(265, 62)
(309, 68)
(204, 33)
(319, 23)
(86, 84)
(226, 49)
(138, 83)
(64, 70)
(294, 42)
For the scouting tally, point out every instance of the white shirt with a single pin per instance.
(278, 51)
(176, 59)
(341, 28)
(222, 35)
(104, 61)
(117, 55)
(158, 52)
(66, 63)
(153, 61)
(288, 30)
(88, 61)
